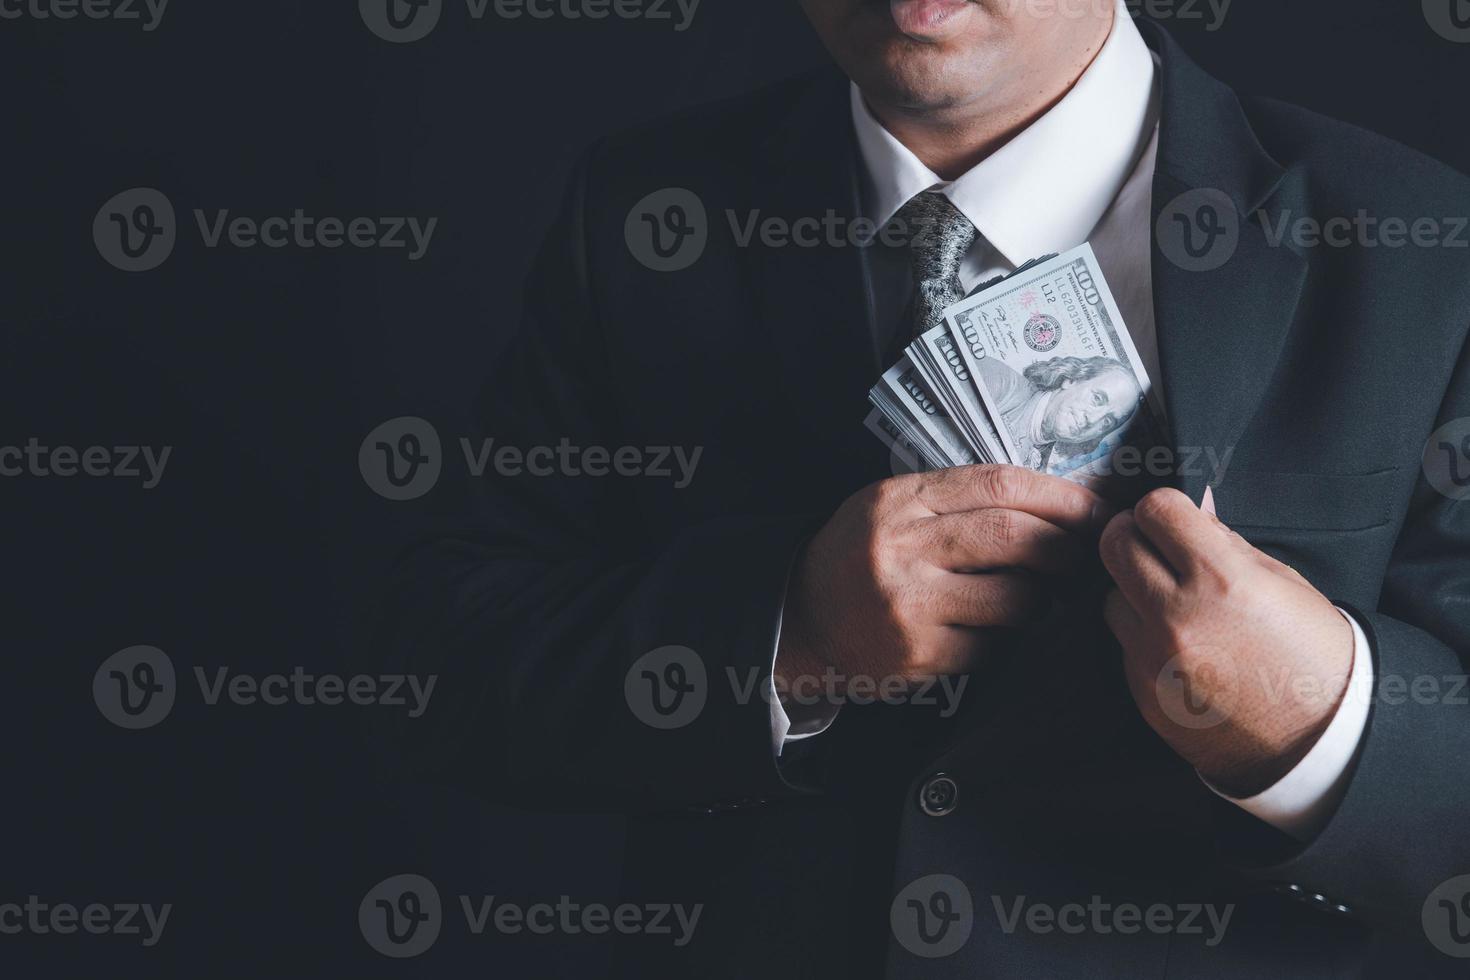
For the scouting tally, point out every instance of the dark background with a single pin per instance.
(262, 547)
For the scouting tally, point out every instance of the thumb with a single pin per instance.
(1207, 506)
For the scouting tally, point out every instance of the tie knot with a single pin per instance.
(938, 236)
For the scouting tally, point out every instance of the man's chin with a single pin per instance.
(919, 74)
(919, 77)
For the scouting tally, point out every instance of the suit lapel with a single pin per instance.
(1224, 295)
(815, 301)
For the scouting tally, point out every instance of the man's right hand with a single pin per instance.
(909, 573)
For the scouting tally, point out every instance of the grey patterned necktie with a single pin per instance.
(939, 236)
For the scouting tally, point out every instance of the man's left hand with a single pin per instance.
(1233, 657)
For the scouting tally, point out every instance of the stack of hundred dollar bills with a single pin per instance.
(1035, 369)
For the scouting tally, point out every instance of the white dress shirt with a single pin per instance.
(1083, 172)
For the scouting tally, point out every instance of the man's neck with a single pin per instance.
(952, 140)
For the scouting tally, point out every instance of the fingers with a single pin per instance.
(992, 538)
(1063, 503)
(991, 599)
(1190, 539)
(1142, 574)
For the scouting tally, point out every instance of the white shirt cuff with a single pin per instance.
(1301, 802)
(783, 730)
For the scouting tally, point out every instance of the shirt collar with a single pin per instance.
(1046, 189)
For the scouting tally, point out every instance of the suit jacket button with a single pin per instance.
(939, 795)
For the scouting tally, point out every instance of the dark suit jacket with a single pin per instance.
(1321, 370)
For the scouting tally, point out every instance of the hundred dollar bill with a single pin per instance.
(906, 454)
(1056, 370)
(903, 393)
(899, 421)
(938, 359)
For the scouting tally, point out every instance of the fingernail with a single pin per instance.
(1207, 502)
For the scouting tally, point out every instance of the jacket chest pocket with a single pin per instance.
(1306, 501)
(1336, 529)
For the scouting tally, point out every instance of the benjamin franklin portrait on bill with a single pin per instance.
(1061, 411)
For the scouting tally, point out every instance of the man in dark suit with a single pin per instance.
(1170, 759)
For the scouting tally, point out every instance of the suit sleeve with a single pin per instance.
(1402, 828)
(537, 612)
